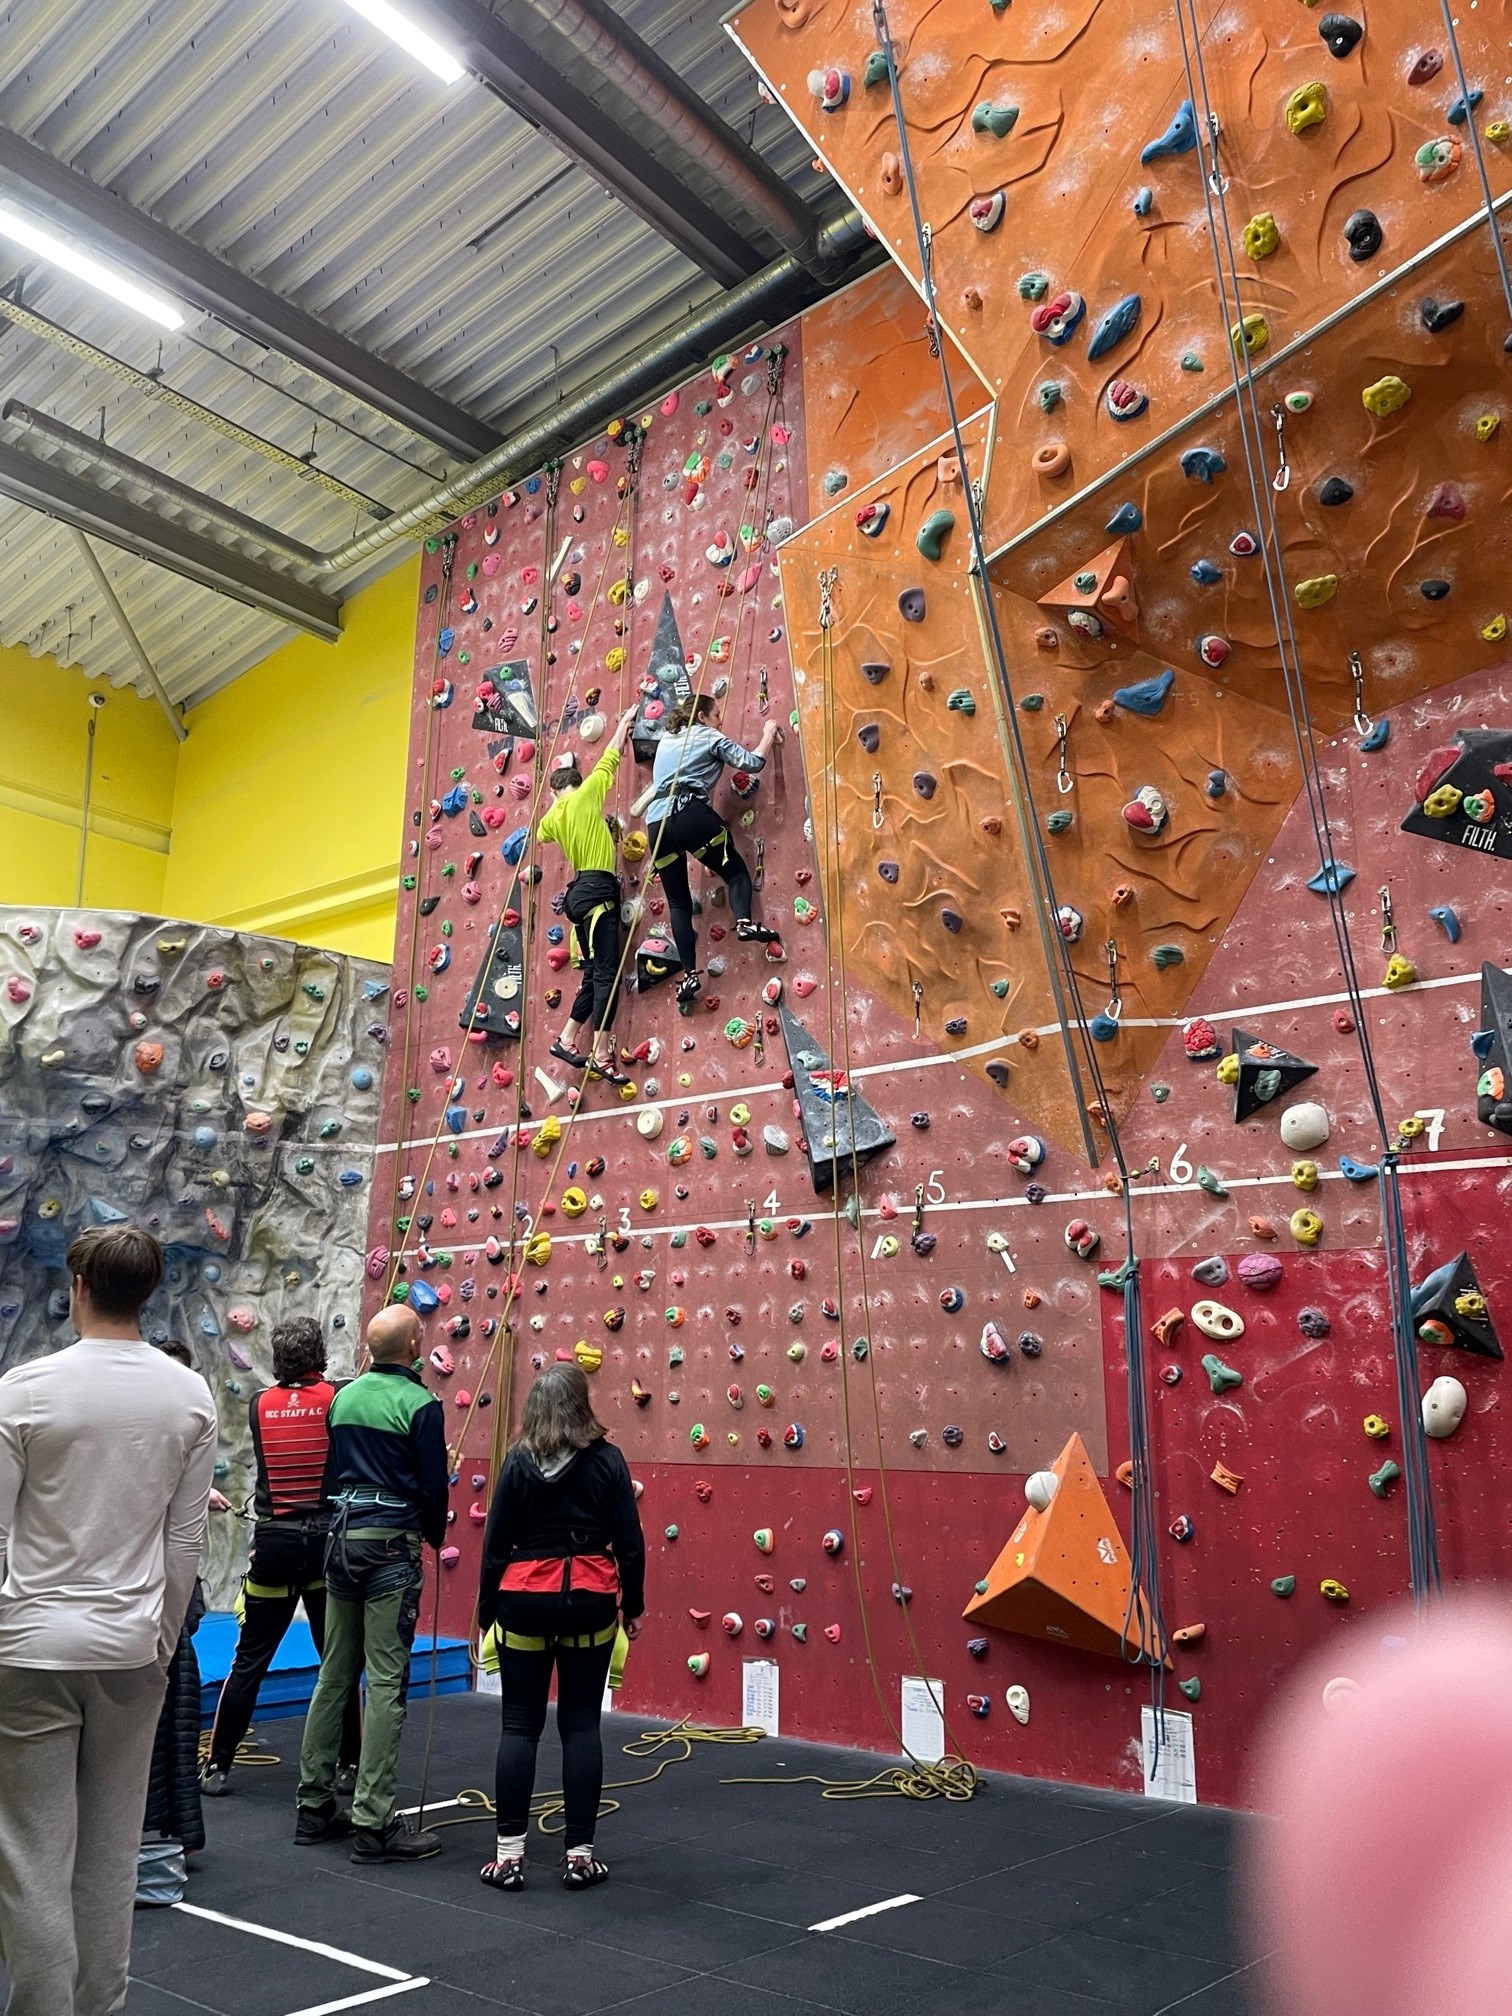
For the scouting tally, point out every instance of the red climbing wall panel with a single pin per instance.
(1210, 916)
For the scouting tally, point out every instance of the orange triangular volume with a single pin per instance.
(1065, 1574)
(1111, 561)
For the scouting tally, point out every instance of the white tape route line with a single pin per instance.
(866, 1911)
(315, 1946)
(367, 1995)
(1249, 1013)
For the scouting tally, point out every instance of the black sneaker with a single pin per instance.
(215, 1781)
(321, 1823)
(560, 1050)
(506, 1875)
(346, 1780)
(756, 934)
(688, 990)
(397, 1842)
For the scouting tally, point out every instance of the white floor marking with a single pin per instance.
(367, 1995)
(866, 1911)
(317, 1946)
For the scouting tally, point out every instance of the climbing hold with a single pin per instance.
(1146, 696)
(1341, 35)
(1358, 1172)
(961, 701)
(1306, 1226)
(1449, 1307)
(830, 86)
(698, 1664)
(1244, 545)
(875, 71)
(1260, 1272)
(1260, 236)
(1058, 319)
(833, 1541)
(1460, 110)
(1209, 1180)
(1495, 630)
(1445, 500)
(1050, 459)
(1333, 1590)
(1213, 650)
(1113, 326)
(1386, 396)
(1222, 1378)
(1126, 519)
(1331, 879)
(1144, 201)
(1486, 426)
(1439, 315)
(911, 605)
(1125, 401)
(1400, 972)
(1362, 234)
(1018, 1703)
(1146, 811)
(1334, 490)
(998, 120)
(932, 532)
(1304, 1126)
(1284, 1585)
(1250, 335)
(1437, 159)
(1082, 1239)
(1447, 921)
(1033, 286)
(1314, 593)
(1307, 106)
(872, 517)
(1203, 464)
(1180, 137)
(1216, 1320)
(1444, 1407)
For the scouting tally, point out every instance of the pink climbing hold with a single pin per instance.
(85, 938)
(242, 1318)
(1200, 1040)
(377, 1261)
(462, 1397)
(17, 990)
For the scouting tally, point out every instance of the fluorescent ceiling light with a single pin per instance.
(414, 41)
(71, 259)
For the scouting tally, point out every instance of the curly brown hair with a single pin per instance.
(299, 1350)
(558, 1414)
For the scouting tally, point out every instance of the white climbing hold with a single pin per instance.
(1304, 1126)
(1040, 1488)
(1444, 1407)
(1018, 1703)
(1339, 1692)
(649, 1124)
(1216, 1319)
(590, 728)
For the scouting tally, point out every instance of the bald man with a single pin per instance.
(389, 1472)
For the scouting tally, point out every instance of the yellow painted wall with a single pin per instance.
(44, 709)
(289, 806)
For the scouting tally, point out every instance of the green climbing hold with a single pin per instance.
(999, 988)
(1382, 1479)
(1190, 361)
(1032, 702)
(433, 545)
(446, 932)
(931, 534)
(980, 1588)
(1209, 1180)
(305, 1165)
(472, 570)
(1160, 1094)
(671, 1532)
(315, 993)
(860, 1350)
(422, 993)
(876, 69)
(1084, 583)
(408, 881)
(330, 1129)
(1222, 1378)
(998, 120)
(1191, 1688)
(1116, 1277)
(961, 701)
(1284, 1585)
(1049, 396)
(1058, 822)
(413, 1095)
(1167, 955)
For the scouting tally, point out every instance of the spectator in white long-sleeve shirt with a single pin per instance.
(107, 1454)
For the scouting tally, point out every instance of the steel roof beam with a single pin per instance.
(107, 515)
(198, 277)
(515, 71)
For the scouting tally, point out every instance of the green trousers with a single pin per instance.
(372, 1605)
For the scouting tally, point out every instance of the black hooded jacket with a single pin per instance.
(587, 1508)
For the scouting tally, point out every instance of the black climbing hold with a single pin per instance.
(919, 1120)
(911, 605)
(839, 1128)
(952, 919)
(1434, 590)
(1036, 1194)
(1030, 1344)
(924, 784)
(869, 737)
(1449, 1307)
(1475, 824)
(1340, 34)
(475, 825)
(875, 670)
(1362, 234)
(1265, 1072)
(997, 1071)
(669, 668)
(1492, 1104)
(888, 870)
(1439, 315)
(1334, 490)
(428, 904)
(494, 999)
(956, 1026)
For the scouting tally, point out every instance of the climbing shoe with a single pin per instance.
(570, 1057)
(397, 1842)
(506, 1875)
(607, 1072)
(756, 934)
(346, 1780)
(688, 990)
(581, 1872)
(215, 1782)
(321, 1823)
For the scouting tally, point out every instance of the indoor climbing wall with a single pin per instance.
(217, 1088)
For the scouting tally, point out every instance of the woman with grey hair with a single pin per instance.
(563, 1559)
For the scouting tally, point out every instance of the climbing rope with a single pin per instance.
(1492, 227)
(1422, 1542)
(1145, 1641)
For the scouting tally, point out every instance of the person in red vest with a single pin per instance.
(287, 1565)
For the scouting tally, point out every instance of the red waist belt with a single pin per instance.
(596, 1574)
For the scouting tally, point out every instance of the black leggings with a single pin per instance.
(698, 830)
(593, 905)
(525, 1682)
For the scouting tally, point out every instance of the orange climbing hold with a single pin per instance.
(1064, 1574)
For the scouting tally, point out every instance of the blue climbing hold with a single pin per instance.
(1180, 137)
(207, 1324)
(1358, 1172)
(456, 1118)
(102, 1213)
(455, 801)
(350, 1179)
(1202, 464)
(1481, 1043)
(1460, 111)
(1204, 573)
(532, 486)
(374, 990)
(1112, 327)
(1443, 916)
(1330, 879)
(422, 1298)
(204, 1137)
(1376, 737)
(1127, 518)
(1104, 1028)
(1143, 200)
(514, 846)
(1146, 696)
(1217, 783)
(446, 640)
(555, 934)
(362, 1078)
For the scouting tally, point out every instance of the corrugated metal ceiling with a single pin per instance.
(431, 225)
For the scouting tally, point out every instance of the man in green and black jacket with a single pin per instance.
(389, 1472)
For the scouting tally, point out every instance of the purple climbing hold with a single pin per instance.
(870, 738)
(911, 605)
(875, 670)
(924, 784)
(1313, 1323)
(888, 870)
(952, 919)
(997, 1071)
(956, 1026)
(1260, 1271)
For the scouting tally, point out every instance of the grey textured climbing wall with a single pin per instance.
(222, 1091)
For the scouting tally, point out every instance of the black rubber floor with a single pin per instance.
(1045, 1900)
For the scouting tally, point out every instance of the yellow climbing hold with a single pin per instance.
(574, 1202)
(1443, 802)
(1313, 594)
(538, 1248)
(1307, 106)
(622, 535)
(1305, 1175)
(649, 1199)
(1472, 1304)
(614, 658)
(547, 1136)
(1412, 1128)
(1400, 972)
(1333, 1589)
(1306, 1227)
(634, 846)
(1387, 395)
(1228, 1071)
(1250, 336)
(1486, 426)
(1260, 235)
(628, 1091)
(619, 592)
(1377, 1427)
(589, 1356)
(1495, 630)
(1499, 132)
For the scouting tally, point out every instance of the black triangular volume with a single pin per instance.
(665, 683)
(497, 996)
(1493, 1091)
(1265, 1072)
(1480, 818)
(1449, 1307)
(506, 701)
(839, 1128)
(655, 960)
